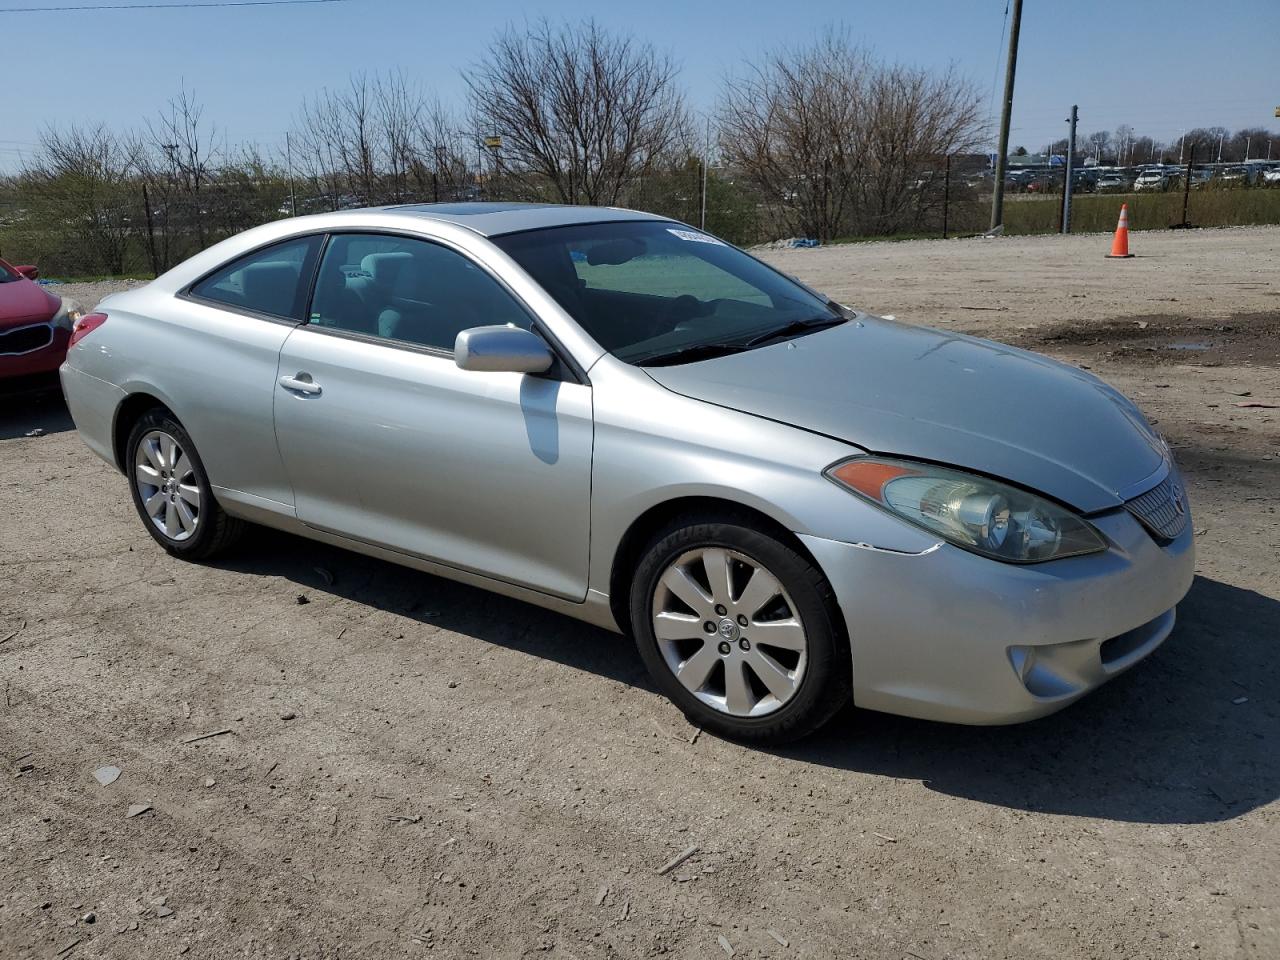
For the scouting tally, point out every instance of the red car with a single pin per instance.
(34, 324)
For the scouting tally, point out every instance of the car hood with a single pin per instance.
(22, 301)
(926, 394)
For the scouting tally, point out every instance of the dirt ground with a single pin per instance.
(406, 767)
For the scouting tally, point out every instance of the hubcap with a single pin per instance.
(167, 485)
(729, 632)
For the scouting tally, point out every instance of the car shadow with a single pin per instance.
(1164, 743)
(34, 404)
(438, 602)
(1191, 735)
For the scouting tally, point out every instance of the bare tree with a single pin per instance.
(1096, 143)
(178, 162)
(337, 139)
(912, 120)
(582, 113)
(835, 140)
(1122, 140)
(379, 140)
(793, 125)
(1249, 143)
(79, 180)
(440, 165)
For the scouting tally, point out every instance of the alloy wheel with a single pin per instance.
(729, 632)
(167, 486)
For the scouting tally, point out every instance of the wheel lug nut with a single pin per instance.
(724, 647)
(720, 609)
(709, 627)
(744, 644)
(742, 620)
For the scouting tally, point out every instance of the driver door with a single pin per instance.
(385, 440)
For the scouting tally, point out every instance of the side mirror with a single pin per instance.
(502, 349)
(29, 271)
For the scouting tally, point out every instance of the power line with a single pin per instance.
(164, 6)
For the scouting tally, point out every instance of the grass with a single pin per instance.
(1097, 213)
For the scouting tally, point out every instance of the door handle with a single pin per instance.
(302, 383)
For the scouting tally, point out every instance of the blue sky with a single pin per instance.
(1159, 65)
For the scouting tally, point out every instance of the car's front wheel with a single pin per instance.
(171, 490)
(740, 630)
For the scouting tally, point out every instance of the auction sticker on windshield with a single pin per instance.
(694, 236)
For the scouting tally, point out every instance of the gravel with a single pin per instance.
(471, 771)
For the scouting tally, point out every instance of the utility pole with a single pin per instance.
(1071, 154)
(1186, 187)
(997, 196)
(171, 150)
(151, 231)
(946, 197)
(288, 162)
(706, 161)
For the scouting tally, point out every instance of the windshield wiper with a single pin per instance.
(792, 329)
(697, 351)
(705, 351)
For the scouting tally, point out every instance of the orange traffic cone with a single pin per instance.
(1120, 245)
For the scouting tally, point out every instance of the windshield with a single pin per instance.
(7, 273)
(658, 292)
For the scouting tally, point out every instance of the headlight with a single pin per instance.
(68, 313)
(985, 516)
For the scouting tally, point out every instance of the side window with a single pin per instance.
(273, 280)
(408, 290)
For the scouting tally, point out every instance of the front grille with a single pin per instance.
(1162, 509)
(26, 339)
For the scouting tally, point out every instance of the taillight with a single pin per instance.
(85, 325)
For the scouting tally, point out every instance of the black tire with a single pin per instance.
(826, 685)
(215, 531)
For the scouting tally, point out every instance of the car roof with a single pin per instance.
(491, 219)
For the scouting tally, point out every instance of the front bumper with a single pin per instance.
(44, 359)
(949, 635)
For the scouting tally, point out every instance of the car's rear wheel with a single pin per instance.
(740, 630)
(171, 490)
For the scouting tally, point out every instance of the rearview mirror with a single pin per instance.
(615, 252)
(502, 349)
(29, 271)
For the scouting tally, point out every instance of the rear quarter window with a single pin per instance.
(273, 281)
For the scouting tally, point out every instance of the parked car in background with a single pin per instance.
(34, 324)
(1201, 177)
(1046, 181)
(1018, 181)
(1238, 175)
(1271, 176)
(788, 503)
(1112, 181)
(1084, 180)
(1153, 179)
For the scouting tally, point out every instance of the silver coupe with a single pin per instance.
(789, 504)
